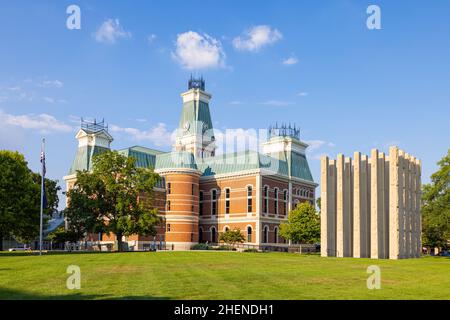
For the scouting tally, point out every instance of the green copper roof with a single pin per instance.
(300, 167)
(145, 157)
(235, 162)
(175, 160)
(83, 158)
(196, 119)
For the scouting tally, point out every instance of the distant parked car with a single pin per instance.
(19, 249)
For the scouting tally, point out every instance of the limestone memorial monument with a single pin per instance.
(371, 206)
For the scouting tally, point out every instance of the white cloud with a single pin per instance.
(318, 145)
(110, 31)
(315, 144)
(151, 38)
(302, 94)
(44, 123)
(51, 84)
(290, 61)
(276, 103)
(158, 135)
(236, 102)
(195, 51)
(256, 38)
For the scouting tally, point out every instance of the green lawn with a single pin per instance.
(219, 275)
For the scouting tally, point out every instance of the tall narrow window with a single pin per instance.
(285, 202)
(169, 188)
(168, 206)
(275, 232)
(214, 202)
(200, 235)
(168, 227)
(227, 200)
(249, 199)
(266, 199)
(213, 234)
(201, 203)
(193, 189)
(249, 234)
(275, 202)
(266, 234)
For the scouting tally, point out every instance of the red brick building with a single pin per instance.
(202, 193)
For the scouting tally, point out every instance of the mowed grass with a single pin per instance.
(219, 275)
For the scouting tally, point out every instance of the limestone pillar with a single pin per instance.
(401, 203)
(413, 207)
(386, 208)
(340, 206)
(360, 229)
(377, 202)
(418, 205)
(326, 233)
(394, 227)
(348, 208)
(408, 211)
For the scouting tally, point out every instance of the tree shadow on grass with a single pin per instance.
(13, 294)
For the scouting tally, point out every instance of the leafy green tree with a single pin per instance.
(232, 237)
(115, 197)
(303, 224)
(20, 196)
(436, 206)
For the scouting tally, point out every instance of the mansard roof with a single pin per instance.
(235, 162)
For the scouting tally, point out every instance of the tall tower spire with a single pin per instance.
(195, 131)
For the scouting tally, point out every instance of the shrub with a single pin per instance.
(201, 246)
(226, 248)
(250, 250)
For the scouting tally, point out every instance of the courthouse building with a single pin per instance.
(202, 194)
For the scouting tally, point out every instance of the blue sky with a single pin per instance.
(313, 64)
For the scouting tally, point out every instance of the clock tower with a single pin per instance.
(195, 132)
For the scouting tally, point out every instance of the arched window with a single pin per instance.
(226, 229)
(266, 234)
(249, 199)
(168, 206)
(275, 232)
(266, 199)
(275, 202)
(169, 188)
(193, 189)
(213, 235)
(285, 202)
(249, 234)
(200, 234)
(213, 202)
(227, 200)
(201, 203)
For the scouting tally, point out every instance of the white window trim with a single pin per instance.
(247, 197)
(276, 191)
(214, 201)
(266, 199)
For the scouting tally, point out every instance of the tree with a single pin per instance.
(232, 237)
(303, 224)
(436, 206)
(115, 197)
(20, 196)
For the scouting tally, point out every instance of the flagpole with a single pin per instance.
(42, 195)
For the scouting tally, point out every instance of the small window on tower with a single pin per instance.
(169, 188)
